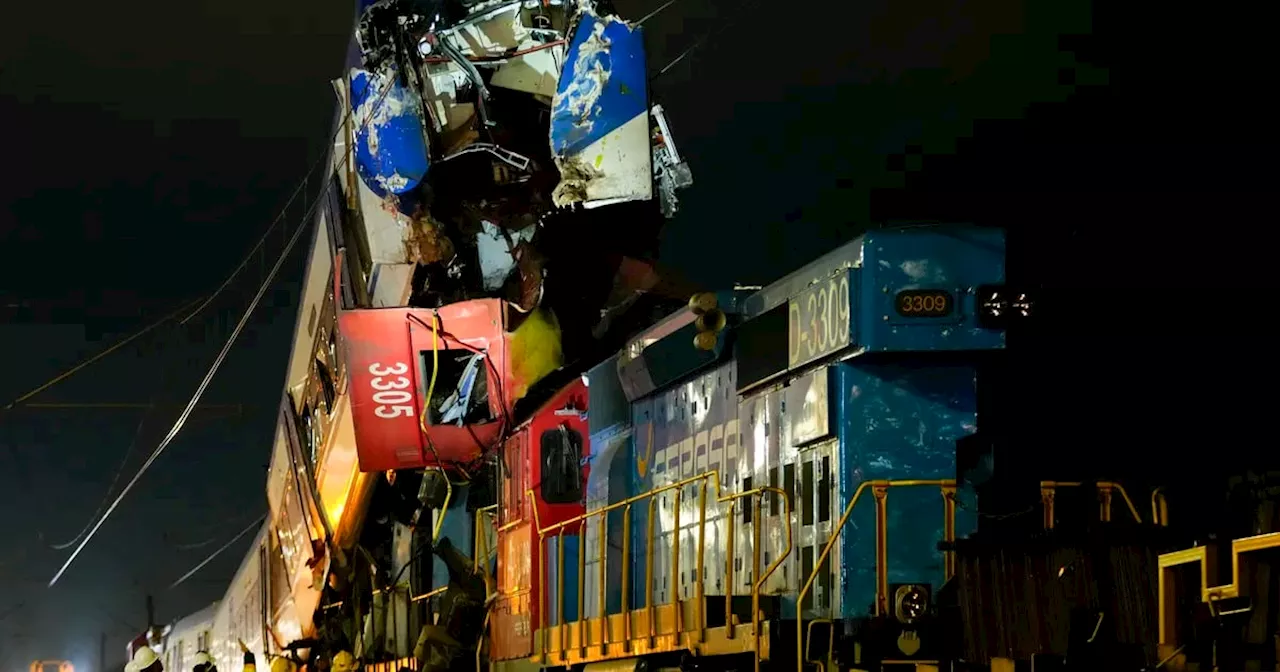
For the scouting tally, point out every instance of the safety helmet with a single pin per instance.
(282, 664)
(203, 661)
(145, 658)
(343, 662)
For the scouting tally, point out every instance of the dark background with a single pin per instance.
(1127, 146)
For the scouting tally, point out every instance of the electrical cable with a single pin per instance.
(738, 13)
(133, 443)
(255, 524)
(195, 398)
(82, 365)
(324, 156)
(201, 303)
(307, 219)
(124, 462)
(211, 529)
(655, 12)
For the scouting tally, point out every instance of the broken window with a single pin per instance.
(312, 432)
(328, 390)
(561, 465)
(308, 423)
(461, 393)
(333, 352)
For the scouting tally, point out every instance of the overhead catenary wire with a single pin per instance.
(250, 527)
(210, 534)
(195, 398)
(106, 496)
(304, 225)
(190, 309)
(655, 12)
(86, 363)
(302, 184)
(306, 220)
(738, 12)
(124, 462)
(194, 307)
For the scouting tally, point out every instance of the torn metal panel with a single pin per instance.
(669, 169)
(537, 72)
(450, 114)
(391, 150)
(600, 116)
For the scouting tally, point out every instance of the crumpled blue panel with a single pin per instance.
(603, 84)
(391, 147)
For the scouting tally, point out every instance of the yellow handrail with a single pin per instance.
(1159, 508)
(880, 490)
(703, 479)
(1048, 489)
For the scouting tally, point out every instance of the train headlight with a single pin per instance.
(911, 603)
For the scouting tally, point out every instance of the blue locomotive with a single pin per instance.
(769, 473)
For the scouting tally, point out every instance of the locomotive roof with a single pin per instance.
(778, 292)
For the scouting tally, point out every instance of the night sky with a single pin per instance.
(152, 143)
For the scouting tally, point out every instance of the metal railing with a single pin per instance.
(880, 490)
(1106, 489)
(704, 481)
(485, 517)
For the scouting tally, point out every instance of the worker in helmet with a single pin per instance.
(343, 662)
(204, 662)
(283, 664)
(250, 663)
(146, 660)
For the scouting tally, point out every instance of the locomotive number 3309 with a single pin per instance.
(391, 390)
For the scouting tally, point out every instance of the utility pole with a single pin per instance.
(102, 653)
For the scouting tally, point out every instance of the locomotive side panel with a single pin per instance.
(515, 609)
(898, 421)
(611, 480)
(759, 428)
(545, 473)
(810, 466)
(684, 431)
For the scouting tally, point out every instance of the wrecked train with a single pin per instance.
(480, 148)
(446, 467)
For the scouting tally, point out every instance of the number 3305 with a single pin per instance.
(391, 390)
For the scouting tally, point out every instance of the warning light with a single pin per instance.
(711, 320)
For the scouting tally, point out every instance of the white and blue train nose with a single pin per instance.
(600, 135)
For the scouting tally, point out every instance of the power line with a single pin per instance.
(256, 523)
(738, 12)
(120, 405)
(210, 530)
(655, 12)
(324, 156)
(78, 367)
(256, 246)
(203, 302)
(195, 398)
(307, 218)
(124, 462)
